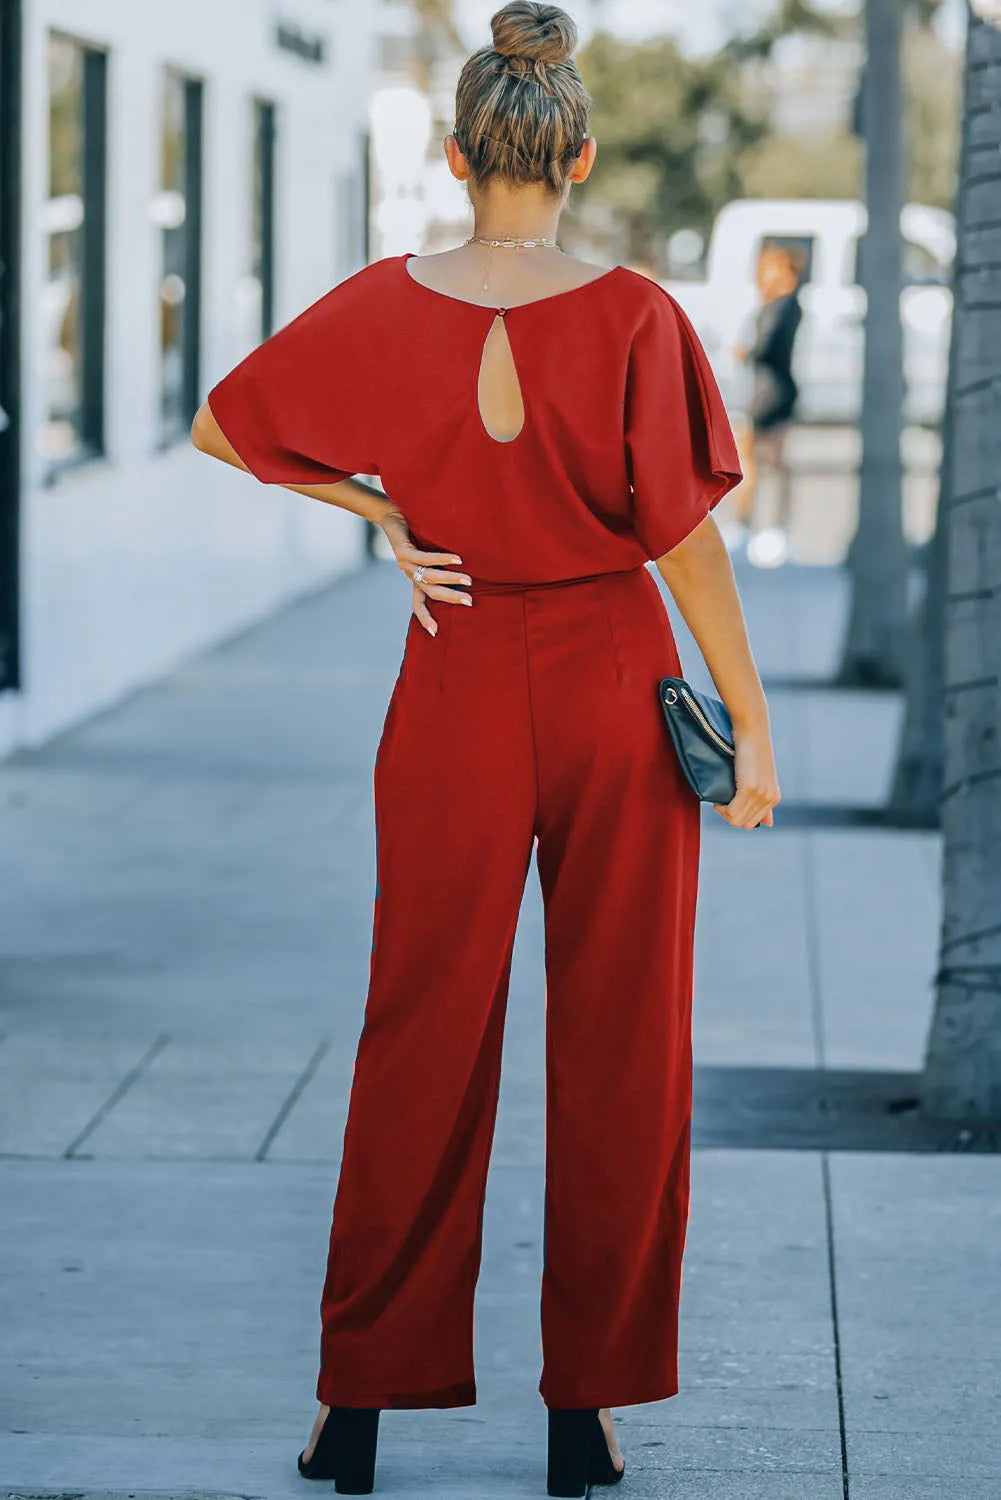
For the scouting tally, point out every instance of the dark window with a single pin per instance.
(178, 211)
(263, 229)
(73, 218)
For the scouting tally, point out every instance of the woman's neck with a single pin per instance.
(519, 213)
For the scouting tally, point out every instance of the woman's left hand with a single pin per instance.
(427, 571)
(757, 783)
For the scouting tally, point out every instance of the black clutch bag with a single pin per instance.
(702, 735)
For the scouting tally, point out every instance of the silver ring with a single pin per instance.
(419, 574)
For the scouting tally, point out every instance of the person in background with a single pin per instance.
(772, 404)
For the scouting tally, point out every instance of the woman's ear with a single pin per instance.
(581, 168)
(457, 164)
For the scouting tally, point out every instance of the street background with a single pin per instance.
(194, 671)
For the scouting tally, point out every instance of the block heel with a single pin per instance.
(345, 1450)
(578, 1454)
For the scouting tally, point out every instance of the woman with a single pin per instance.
(543, 427)
(773, 399)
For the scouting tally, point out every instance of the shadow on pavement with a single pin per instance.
(818, 1109)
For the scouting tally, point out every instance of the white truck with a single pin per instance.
(827, 362)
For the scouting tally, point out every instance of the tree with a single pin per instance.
(962, 1074)
(670, 131)
(874, 649)
(679, 136)
(917, 779)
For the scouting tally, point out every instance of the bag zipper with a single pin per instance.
(714, 735)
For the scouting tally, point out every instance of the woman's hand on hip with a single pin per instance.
(428, 572)
(757, 783)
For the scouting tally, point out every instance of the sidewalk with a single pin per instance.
(185, 907)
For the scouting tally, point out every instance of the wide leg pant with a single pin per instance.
(531, 715)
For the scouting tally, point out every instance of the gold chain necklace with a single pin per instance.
(507, 242)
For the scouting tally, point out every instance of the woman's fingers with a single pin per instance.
(442, 575)
(422, 612)
(448, 596)
(434, 581)
(439, 576)
(734, 812)
(749, 809)
(414, 557)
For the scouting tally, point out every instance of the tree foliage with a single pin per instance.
(670, 133)
(678, 137)
(932, 84)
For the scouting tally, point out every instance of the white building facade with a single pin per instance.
(176, 181)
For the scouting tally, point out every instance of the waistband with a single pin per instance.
(494, 586)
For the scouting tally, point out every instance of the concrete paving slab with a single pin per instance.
(755, 1278)
(811, 1407)
(747, 1450)
(754, 1370)
(885, 1487)
(916, 1243)
(890, 1393)
(850, 746)
(205, 1098)
(732, 1484)
(313, 1128)
(870, 890)
(29, 791)
(406, 1469)
(76, 1494)
(53, 1088)
(771, 954)
(771, 1029)
(957, 1456)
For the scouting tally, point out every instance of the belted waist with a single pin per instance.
(495, 586)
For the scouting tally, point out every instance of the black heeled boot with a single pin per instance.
(345, 1450)
(578, 1453)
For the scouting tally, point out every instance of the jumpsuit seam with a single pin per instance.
(611, 631)
(445, 630)
(531, 716)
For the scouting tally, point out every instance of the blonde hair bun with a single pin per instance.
(533, 33)
(521, 109)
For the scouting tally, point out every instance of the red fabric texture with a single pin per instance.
(625, 448)
(554, 731)
(532, 716)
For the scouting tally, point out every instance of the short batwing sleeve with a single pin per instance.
(680, 448)
(299, 408)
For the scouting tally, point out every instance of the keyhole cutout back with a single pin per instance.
(498, 390)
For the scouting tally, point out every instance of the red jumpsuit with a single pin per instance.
(532, 716)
